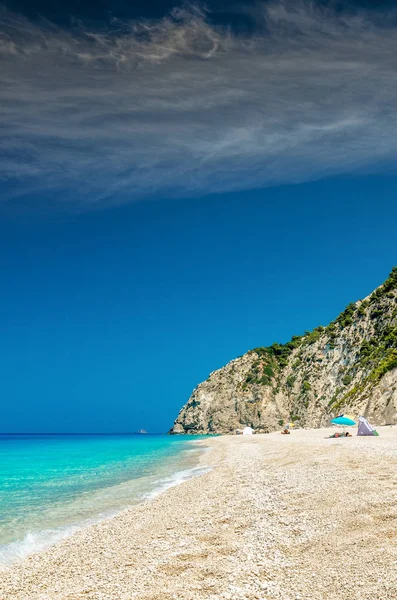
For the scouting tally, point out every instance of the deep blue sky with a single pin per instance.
(109, 319)
(174, 193)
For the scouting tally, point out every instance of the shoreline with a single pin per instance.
(276, 517)
(39, 540)
(128, 492)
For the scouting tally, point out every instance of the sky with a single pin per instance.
(179, 185)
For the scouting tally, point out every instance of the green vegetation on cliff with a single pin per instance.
(376, 356)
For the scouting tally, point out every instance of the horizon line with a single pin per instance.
(80, 433)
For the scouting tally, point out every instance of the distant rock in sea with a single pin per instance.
(349, 366)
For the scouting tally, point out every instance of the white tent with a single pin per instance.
(364, 428)
(248, 431)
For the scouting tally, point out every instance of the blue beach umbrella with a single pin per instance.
(343, 420)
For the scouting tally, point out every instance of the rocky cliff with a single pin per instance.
(349, 366)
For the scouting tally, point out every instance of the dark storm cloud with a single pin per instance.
(182, 107)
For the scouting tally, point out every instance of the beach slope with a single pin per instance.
(278, 517)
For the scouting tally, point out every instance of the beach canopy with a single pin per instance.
(343, 420)
(364, 428)
(248, 431)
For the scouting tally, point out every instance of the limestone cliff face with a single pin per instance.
(349, 366)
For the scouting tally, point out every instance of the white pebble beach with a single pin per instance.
(278, 517)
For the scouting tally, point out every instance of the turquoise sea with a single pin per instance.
(52, 485)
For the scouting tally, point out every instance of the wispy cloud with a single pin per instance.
(182, 107)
